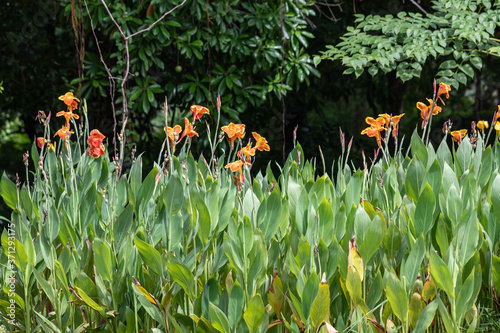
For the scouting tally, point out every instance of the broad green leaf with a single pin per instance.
(424, 212)
(325, 215)
(441, 274)
(397, 296)
(464, 295)
(372, 240)
(174, 194)
(236, 303)
(309, 294)
(321, 305)
(87, 300)
(181, 274)
(103, 260)
(495, 196)
(149, 255)
(415, 175)
(495, 268)
(254, 314)
(219, 319)
(469, 240)
(411, 266)
(275, 295)
(8, 191)
(418, 149)
(353, 284)
(415, 308)
(426, 318)
(47, 322)
(271, 220)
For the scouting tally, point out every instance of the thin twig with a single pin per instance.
(112, 86)
(418, 6)
(125, 76)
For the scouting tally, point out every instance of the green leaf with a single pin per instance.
(397, 296)
(103, 259)
(236, 303)
(448, 64)
(424, 212)
(149, 255)
(309, 294)
(415, 175)
(254, 315)
(181, 274)
(495, 196)
(477, 62)
(219, 319)
(275, 295)
(8, 190)
(411, 266)
(441, 274)
(426, 318)
(87, 300)
(495, 268)
(321, 305)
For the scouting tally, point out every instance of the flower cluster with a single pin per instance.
(237, 131)
(96, 147)
(426, 110)
(382, 123)
(173, 132)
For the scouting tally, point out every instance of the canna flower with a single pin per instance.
(482, 124)
(188, 129)
(236, 166)
(96, 148)
(198, 111)
(425, 111)
(387, 119)
(247, 151)
(234, 131)
(374, 131)
(395, 124)
(379, 122)
(67, 115)
(69, 100)
(40, 142)
(261, 143)
(64, 132)
(444, 89)
(458, 135)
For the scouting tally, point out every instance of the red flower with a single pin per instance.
(96, 148)
(40, 142)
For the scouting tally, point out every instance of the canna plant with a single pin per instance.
(408, 243)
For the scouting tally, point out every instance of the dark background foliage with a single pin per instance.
(249, 52)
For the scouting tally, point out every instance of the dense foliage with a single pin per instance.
(458, 33)
(411, 241)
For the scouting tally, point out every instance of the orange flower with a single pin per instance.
(482, 124)
(67, 115)
(379, 122)
(69, 100)
(188, 129)
(444, 89)
(40, 142)
(234, 131)
(458, 135)
(173, 134)
(425, 111)
(236, 166)
(374, 131)
(387, 119)
(261, 143)
(96, 148)
(198, 111)
(247, 151)
(64, 132)
(395, 124)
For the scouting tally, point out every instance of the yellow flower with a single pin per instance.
(261, 143)
(458, 135)
(482, 124)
